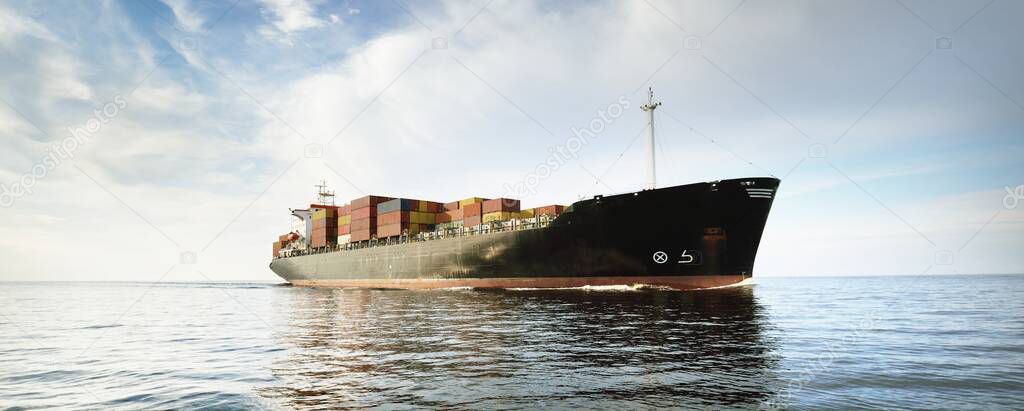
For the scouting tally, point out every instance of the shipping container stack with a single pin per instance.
(551, 210)
(364, 217)
(371, 217)
(451, 217)
(406, 216)
(500, 209)
(325, 226)
(283, 242)
(345, 224)
(472, 211)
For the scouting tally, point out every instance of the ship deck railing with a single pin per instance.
(531, 223)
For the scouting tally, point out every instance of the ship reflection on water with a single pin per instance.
(524, 349)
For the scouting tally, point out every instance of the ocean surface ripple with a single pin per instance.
(935, 342)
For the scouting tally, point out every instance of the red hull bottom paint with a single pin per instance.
(688, 282)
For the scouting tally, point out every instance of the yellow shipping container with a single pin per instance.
(528, 213)
(345, 220)
(323, 213)
(417, 217)
(469, 201)
(499, 216)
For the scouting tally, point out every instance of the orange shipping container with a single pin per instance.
(449, 216)
(392, 230)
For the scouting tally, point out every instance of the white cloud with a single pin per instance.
(170, 98)
(13, 25)
(191, 151)
(190, 19)
(60, 73)
(293, 15)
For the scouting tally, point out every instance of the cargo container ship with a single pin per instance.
(683, 237)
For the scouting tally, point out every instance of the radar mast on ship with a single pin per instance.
(649, 108)
(323, 196)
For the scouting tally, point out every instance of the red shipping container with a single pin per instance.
(323, 239)
(472, 221)
(501, 204)
(364, 224)
(362, 235)
(452, 206)
(472, 210)
(364, 213)
(345, 210)
(393, 217)
(368, 201)
(344, 229)
(549, 210)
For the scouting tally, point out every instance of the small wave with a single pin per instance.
(744, 283)
(100, 326)
(601, 288)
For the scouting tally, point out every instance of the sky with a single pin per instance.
(166, 140)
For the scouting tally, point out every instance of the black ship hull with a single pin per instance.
(684, 237)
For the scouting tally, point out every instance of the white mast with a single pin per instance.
(649, 108)
(323, 196)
